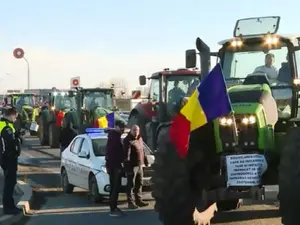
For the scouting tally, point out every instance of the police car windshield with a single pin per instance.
(99, 147)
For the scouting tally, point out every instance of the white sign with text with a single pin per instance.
(245, 169)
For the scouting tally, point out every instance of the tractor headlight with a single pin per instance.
(226, 121)
(249, 120)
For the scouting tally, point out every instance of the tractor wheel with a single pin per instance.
(176, 200)
(289, 178)
(53, 135)
(229, 205)
(42, 132)
(136, 119)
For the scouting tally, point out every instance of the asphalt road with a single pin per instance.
(51, 206)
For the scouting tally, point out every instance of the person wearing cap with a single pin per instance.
(9, 152)
(268, 67)
(114, 164)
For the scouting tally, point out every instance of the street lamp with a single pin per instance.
(19, 54)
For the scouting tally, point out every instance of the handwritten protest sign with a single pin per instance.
(245, 169)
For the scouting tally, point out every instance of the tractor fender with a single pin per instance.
(144, 110)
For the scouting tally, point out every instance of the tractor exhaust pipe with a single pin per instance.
(204, 52)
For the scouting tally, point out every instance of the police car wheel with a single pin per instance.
(67, 187)
(93, 190)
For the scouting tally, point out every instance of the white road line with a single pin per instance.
(28, 155)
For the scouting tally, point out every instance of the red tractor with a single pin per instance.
(167, 90)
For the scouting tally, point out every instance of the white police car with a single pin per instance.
(83, 165)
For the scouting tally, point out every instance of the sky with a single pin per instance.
(100, 40)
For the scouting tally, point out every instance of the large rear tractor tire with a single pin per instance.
(289, 178)
(42, 134)
(54, 133)
(176, 199)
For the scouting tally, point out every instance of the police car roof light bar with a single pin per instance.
(95, 130)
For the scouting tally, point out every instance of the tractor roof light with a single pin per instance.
(296, 82)
(271, 40)
(236, 43)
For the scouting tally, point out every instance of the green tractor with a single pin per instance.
(52, 114)
(92, 103)
(234, 157)
(27, 108)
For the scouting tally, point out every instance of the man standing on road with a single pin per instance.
(134, 162)
(9, 152)
(114, 164)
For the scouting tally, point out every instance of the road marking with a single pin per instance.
(28, 155)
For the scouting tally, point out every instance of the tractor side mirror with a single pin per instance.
(142, 80)
(190, 58)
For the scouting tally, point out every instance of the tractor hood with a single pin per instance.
(254, 99)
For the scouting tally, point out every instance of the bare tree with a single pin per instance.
(120, 86)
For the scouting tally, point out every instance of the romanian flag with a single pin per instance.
(209, 101)
(107, 121)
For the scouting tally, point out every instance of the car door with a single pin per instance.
(73, 168)
(84, 163)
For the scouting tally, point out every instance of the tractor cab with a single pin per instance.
(95, 103)
(62, 100)
(52, 114)
(168, 90)
(92, 103)
(26, 106)
(258, 55)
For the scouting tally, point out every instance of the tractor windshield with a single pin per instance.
(25, 100)
(103, 99)
(254, 59)
(64, 102)
(178, 87)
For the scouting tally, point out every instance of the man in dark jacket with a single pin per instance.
(134, 162)
(114, 164)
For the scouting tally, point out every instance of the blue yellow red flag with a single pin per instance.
(107, 121)
(209, 101)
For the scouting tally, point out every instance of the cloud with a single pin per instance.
(49, 68)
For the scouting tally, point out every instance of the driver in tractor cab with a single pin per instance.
(176, 94)
(284, 74)
(268, 68)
